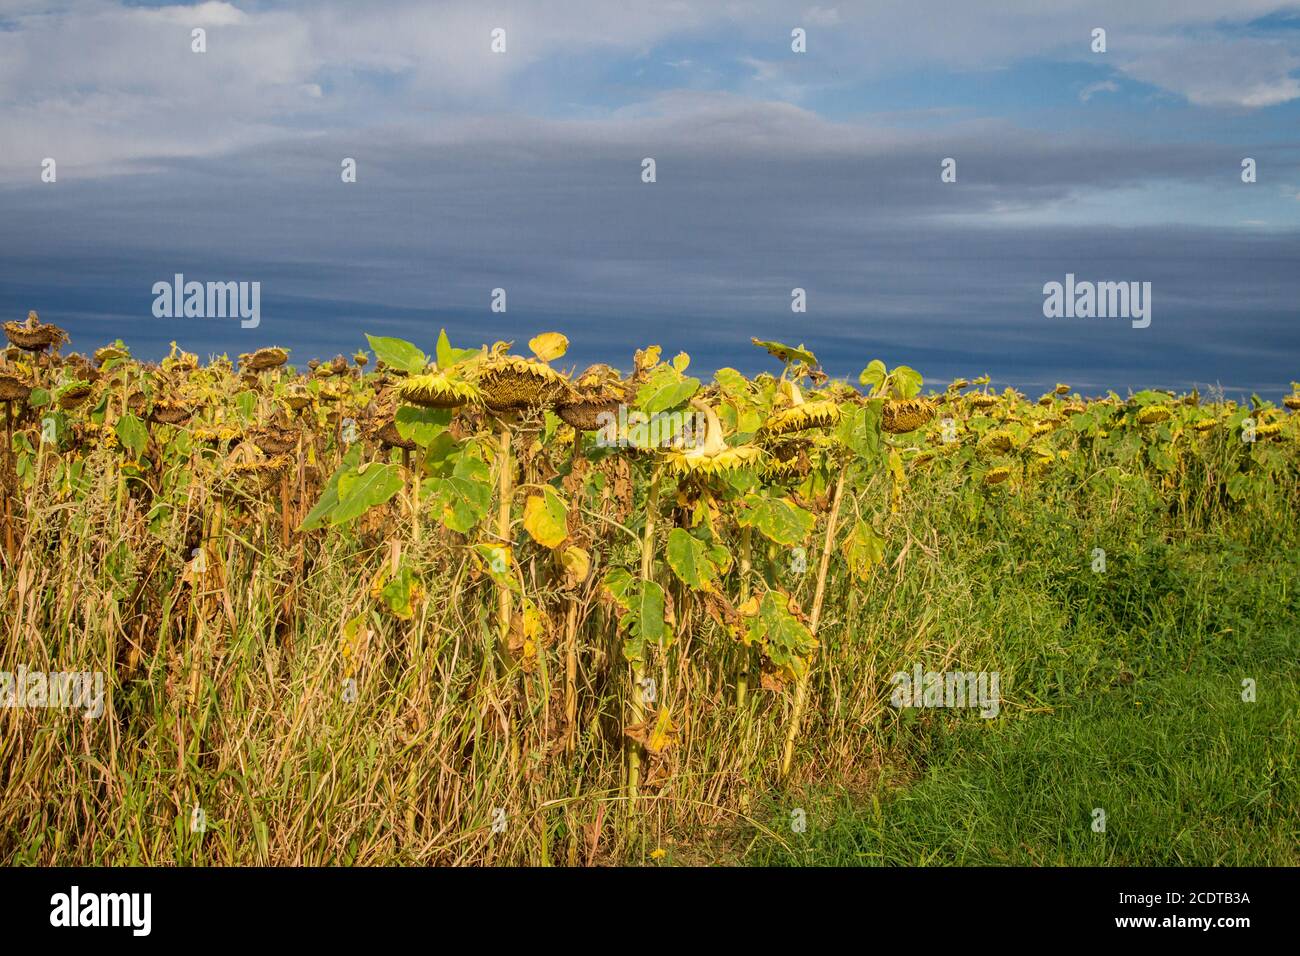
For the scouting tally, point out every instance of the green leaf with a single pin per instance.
(859, 431)
(689, 557)
(785, 640)
(329, 498)
(620, 585)
(863, 549)
(398, 593)
(665, 389)
(363, 488)
(779, 520)
(874, 374)
(132, 434)
(448, 356)
(907, 381)
(463, 498)
(398, 353)
(647, 621)
(246, 403)
(787, 353)
(732, 382)
(421, 425)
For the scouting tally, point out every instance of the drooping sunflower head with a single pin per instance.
(1268, 430)
(1153, 415)
(338, 365)
(597, 392)
(712, 455)
(799, 415)
(995, 476)
(34, 335)
(110, 352)
(998, 440)
(273, 440)
(170, 412)
(436, 390)
(511, 382)
(1204, 424)
(981, 400)
(787, 459)
(297, 396)
(1062, 389)
(14, 386)
(264, 359)
(902, 415)
(1292, 402)
(72, 394)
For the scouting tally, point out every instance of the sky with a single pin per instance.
(775, 169)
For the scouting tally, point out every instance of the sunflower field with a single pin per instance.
(472, 606)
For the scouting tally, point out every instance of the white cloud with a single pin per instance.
(1249, 72)
(100, 85)
(1092, 89)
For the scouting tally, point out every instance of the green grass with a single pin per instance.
(1186, 771)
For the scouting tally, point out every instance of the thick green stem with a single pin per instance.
(801, 692)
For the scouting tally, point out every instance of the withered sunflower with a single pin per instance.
(33, 335)
(436, 390)
(73, 394)
(1268, 430)
(509, 382)
(997, 440)
(297, 397)
(995, 476)
(264, 359)
(712, 456)
(800, 415)
(1292, 402)
(596, 392)
(110, 352)
(1153, 415)
(274, 441)
(170, 413)
(902, 415)
(387, 435)
(13, 387)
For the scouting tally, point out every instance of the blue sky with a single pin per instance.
(775, 169)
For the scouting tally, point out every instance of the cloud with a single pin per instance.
(1092, 89)
(752, 199)
(99, 84)
(1248, 73)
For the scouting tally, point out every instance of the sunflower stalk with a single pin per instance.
(801, 691)
(638, 670)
